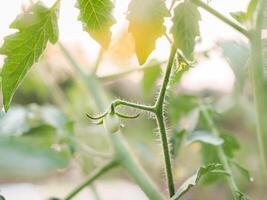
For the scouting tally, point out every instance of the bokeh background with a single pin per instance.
(53, 100)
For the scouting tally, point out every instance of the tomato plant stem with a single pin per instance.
(221, 154)
(159, 108)
(162, 94)
(108, 166)
(122, 150)
(259, 82)
(222, 17)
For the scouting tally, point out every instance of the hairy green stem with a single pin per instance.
(259, 83)
(222, 17)
(164, 87)
(108, 166)
(221, 154)
(159, 108)
(123, 152)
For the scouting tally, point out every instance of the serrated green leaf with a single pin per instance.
(96, 16)
(36, 27)
(204, 137)
(185, 27)
(194, 179)
(146, 25)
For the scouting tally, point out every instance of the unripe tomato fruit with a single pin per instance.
(111, 123)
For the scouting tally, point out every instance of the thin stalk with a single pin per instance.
(222, 17)
(108, 166)
(95, 193)
(127, 72)
(221, 154)
(119, 102)
(259, 83)
(122, 150)
(98, 60)
(161, 121)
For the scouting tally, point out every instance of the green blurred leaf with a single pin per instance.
(43, 135)
(247, 16)
(36, 27)
(240, 16)
(176, 142)
(20, 120)
(194, 179)
(14, 122)
(204, 137)
(150, 77)
(185, 27)
(236, 54)
(22, 159)
(209, 155)
(146, 25)
(243, 171)
(180, 106)
(230, 144)
(96, 16)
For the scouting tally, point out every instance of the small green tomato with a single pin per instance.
(111, 123)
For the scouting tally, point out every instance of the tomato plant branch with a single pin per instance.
(221, 154)
(122, 150)
(157, 109)
(119, 102)
(256, 70)
(108, 166)
(222, 17)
